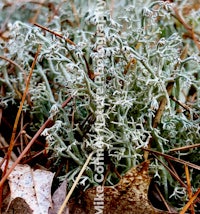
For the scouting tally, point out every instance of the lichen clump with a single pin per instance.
(150, 61)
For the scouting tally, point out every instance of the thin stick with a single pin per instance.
(162, 198)
(56, 34)
(162, 105)
(187, 108)
(163, 102)
(171, 172)
(172, 167)
(187, 27)
(14, 63)
(185, 147)
(90, 73)
(189, 189)
(185, 208)
(75, 183)
(174, 159)
(174, 174)
(159, 114)
(12, 141)
(48, 122)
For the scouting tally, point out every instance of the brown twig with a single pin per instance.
(159, 114)
(169, 88)
(12, 141)
(172, 167)
(162, 198)
(189, 189)
(174, 174)
(47, 123)
(190, 30)
(90, 73)
(131, 62)
(2, 92)
(6, 146)
(185, 208)
(56, 34)
(187, 108)
(171, 172)
(163, 102)
(34, 156)
(173, 158)
(14, 63)
(185, 147)
(162, 105)
(20, 109)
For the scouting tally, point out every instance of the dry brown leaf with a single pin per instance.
(129, 196)
(34, 187)
(18, 206)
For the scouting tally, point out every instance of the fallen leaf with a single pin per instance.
(129, 196)
(58, 198)
(18, 206)
(34, 187)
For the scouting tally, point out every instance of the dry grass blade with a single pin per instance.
(172, 167)
(164, 100)
(159, 113)
(75, 183)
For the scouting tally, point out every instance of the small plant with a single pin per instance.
(150, 80)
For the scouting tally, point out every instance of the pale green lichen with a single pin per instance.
(142, 55)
